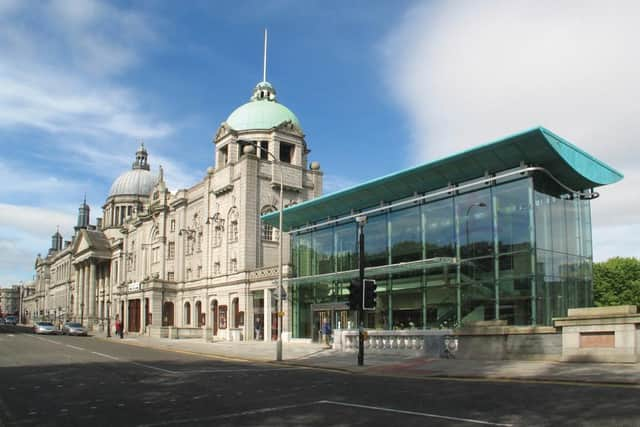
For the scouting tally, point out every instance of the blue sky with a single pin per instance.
(377, 86)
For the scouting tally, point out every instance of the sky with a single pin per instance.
(378, 86)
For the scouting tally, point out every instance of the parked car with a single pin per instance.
(11, 320)
(71, 328)
(1, 320)
(44, 328)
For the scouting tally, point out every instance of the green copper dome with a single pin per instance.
(262, 111)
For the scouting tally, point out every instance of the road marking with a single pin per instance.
(419, 414)
(74, 347)
(48, 340)
(246, 370)
(153, 367)
(105, 355)
(232, 415)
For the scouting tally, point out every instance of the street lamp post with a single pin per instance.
(82, 313)
(281, 206)
(361, 220)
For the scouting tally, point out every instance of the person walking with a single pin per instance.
(326, 331)
(119, 328)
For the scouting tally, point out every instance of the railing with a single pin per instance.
(409, 340)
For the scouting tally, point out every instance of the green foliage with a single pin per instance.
(616, 282)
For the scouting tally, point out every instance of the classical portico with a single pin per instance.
(92, 290)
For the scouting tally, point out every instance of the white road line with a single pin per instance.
(153, 367)
(249, 370)
(74, 347)
(47, 340)
(232, 415)
(419, 414)
(105, 355)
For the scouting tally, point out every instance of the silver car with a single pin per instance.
(71, 328)
(44, 328)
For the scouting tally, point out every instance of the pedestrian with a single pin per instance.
(326, 331)
(258, 328)
(119, 328)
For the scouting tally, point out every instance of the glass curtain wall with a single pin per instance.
(522, 251)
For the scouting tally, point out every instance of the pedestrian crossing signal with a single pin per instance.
(370, 294)
(355, 294)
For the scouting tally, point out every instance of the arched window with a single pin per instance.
(233, 225)
(187, 313)
(268, 231)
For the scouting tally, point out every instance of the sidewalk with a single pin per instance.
(398, 365)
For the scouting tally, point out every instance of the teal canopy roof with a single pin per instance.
(535, 147)
(262, 112)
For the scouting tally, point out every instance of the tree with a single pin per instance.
(616, 282)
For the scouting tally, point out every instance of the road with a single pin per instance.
(80, 381)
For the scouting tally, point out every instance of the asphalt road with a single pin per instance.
(80, 381)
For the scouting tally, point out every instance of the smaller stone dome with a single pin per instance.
(139, 181)
(315, 166)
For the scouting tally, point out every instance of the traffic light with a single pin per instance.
(370, 294)
(355, 294)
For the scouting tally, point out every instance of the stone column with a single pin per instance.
(86, 292)
(266, 327)
(76, 293)
(80, 292)
(92, 291)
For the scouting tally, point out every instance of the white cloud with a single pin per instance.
(470, 72)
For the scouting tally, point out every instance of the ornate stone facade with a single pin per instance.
(195, 262)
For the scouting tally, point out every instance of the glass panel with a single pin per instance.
(439, 229)
(513, 215)
(323, 250)
(558, 225)
(572, 226)
(303, 254)
(475, 224)
(441, 309)
(406, 239)
(381, 318)
(515, 300)
(543, 220)
(477, 290)
(375, 241)
(407, 300)
(515, 265)
(346, 236)
(585, 219)
(301, 299)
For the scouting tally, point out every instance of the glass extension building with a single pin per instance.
(499, 232)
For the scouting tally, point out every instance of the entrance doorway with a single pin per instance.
(167, 314)
(214, 316)
(337, 314)
(134, 315)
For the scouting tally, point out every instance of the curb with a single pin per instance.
(395, 374)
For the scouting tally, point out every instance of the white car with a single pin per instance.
(44, 328)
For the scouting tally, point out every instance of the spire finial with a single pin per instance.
(264, 62)
(84, 202)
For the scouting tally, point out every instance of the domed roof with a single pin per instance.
(262, 111)
(136, 182)
(139, 181)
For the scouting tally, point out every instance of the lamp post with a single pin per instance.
(280, 290)
(82, 313)
(361, 220)
(108, 318)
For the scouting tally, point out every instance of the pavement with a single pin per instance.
(313, 355)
